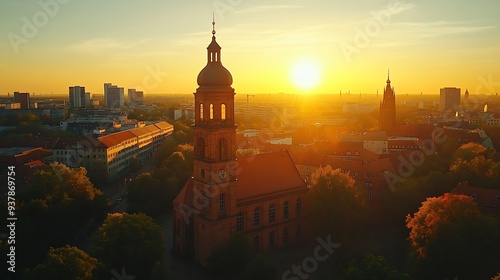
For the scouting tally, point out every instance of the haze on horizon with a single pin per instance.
(159, 46)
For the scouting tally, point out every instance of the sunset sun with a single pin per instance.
(305, 74)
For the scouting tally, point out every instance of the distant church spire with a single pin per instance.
(387, 117)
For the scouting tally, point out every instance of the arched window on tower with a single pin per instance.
(211, 111)
(201, 111)
(201, 148)
(223, 112)
(223, 151)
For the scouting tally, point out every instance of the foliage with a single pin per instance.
(147, 195)
(133, 241)
(230, 259)
(260, 268)
(371, 267)
(478, 171)
(60, 203)
(337, 206)
(64, 263)
(441, 233)
(471, 150)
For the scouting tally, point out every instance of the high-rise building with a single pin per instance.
(114, 96)
(387, 116)
(23, 98)
(449, 99)
(135, 97)
(260, 196)
(77, 97)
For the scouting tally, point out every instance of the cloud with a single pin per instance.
(441, 28)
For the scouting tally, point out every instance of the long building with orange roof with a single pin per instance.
(112, 153)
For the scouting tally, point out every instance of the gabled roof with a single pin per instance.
(267, 174)
(164, 125)
(480, 195)
(116, 138)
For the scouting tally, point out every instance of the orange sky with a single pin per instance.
(160, 46)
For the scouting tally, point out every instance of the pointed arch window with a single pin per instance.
(256, 216)
(211, 111)
(223, 150)
(271, 213)
(299, 207)
(239, 221)
(201, 111)
(223, 112)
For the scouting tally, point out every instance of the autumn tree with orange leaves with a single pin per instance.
(450, 237)
(337, 204)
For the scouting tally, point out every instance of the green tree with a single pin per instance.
(56, 209)
(371, 267)
(471, 150)
(337, 206)
(479, 171)
(259, 268)
(132, 241)
(66, 263)
(229, 260)
(165, 150)
(147, 195)
(440, 237)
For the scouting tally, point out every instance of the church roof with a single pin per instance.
(267, 174)
(261, 176)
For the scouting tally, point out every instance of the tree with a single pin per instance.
(371, 267)
(229, 260)
(132, 241)
(337, 206)
(450, 237)
(260, 268)
(56, 209)
(147, 195)
(471, 150)
(64, 263)
(479, 171)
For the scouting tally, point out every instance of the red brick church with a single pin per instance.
(260, 196)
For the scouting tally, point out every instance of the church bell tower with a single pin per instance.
(214, 135)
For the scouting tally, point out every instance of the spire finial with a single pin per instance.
(388, 80)
(213, 24)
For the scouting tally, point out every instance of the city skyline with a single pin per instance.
(155, 47)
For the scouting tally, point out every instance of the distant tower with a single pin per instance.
(466, 99)
(387, 117)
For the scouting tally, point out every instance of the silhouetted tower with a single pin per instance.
(387, 117)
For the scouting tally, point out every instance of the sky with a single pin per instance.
(159, 46)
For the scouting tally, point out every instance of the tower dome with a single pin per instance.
(214, 74)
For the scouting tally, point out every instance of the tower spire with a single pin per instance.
(213, 24)
(388, 80)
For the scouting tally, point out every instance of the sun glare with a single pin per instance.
(305, 74)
